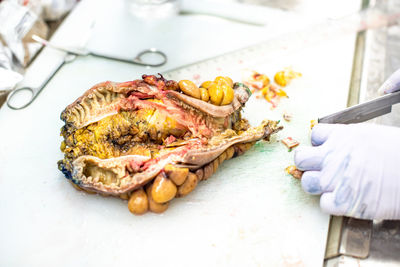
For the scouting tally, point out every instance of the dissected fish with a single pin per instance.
(151, 140)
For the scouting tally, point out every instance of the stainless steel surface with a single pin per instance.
(381, 57)
(384, 246)
(356, 237)
(348, 236)
(381, 60)
(334, 237)
(365, 111)
(354, 90)
(358, 60)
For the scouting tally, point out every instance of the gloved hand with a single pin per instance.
(355, 167)
(392, 84)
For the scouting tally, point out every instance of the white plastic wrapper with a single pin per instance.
(19, 20)
(55, 9)
(8, 77)
(18, 23)
(47, 9)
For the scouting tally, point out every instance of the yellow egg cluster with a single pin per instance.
(219, 92)
(285, 76)
(174, 182)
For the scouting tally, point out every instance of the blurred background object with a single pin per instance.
(153, 8)
(20, 19)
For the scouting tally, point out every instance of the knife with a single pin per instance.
(365, 111)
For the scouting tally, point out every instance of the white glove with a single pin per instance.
(355, 167)
(392, 84)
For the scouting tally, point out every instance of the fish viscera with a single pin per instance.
(147, 141)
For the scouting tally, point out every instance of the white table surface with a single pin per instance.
(249, 214)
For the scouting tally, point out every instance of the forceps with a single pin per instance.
(70, 55)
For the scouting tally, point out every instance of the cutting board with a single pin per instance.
(249, 213)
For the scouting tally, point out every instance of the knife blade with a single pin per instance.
(364, 111)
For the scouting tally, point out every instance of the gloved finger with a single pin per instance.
(333, 169)
(310, 181)
(360, 191)
(392, 84)
(337, 202)
(322, 131)
(309, 158)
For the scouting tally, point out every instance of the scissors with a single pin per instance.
(70, 55)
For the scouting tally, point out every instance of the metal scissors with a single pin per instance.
(70, 55)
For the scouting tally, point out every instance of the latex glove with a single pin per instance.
(392, 84)
(355, 167)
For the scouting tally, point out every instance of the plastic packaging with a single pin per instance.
(20, 19)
